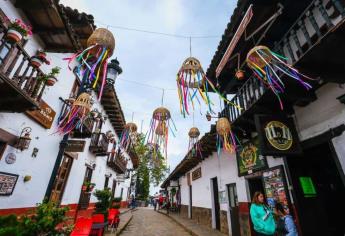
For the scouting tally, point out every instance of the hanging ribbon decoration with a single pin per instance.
(226, 139)
(75, 114)
(93, 60)
(127, 135)
(158, 134)
(267, 66)
(194, 144)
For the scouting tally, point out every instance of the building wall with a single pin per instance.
(27, 194)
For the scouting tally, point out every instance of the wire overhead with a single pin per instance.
(158, 33)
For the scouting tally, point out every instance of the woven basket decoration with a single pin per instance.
(102, 37)
(261, 60)
(131, 127)
(84, 100)
(194, 132)
(223, 126)
(161, 114)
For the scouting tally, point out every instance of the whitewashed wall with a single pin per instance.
(40, 168)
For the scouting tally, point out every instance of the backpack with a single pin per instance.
(281, 227)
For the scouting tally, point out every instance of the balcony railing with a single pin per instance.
(315, 22)
(117, 162)
(99, 144)
(21, 90)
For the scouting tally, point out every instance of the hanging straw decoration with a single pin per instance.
(191, 82)
(94, 59)
(75, 114)
(266, 66)
(158, 134)
(127, 135)
(194, 145)
(226, 139)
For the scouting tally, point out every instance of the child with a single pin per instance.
(288, 223)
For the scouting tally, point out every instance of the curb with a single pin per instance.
(125, 225)
(177, 222)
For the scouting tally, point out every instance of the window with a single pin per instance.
(106, 182)
(84, 195)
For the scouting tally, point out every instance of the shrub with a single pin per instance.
(103, 204)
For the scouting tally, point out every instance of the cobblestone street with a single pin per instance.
(147, 222)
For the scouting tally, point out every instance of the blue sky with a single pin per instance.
(155, 59)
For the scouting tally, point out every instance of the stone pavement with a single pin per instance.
(192, 226)
(147, 222)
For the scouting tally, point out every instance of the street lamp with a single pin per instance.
(113, 70)
(24, 139)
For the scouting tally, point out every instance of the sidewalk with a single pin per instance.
(125, 218)
(192, 226)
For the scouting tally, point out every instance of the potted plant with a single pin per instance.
(17, 29)
(40, 58)
(116, 202)
(88, 186)
(103, 204)
(50, 79)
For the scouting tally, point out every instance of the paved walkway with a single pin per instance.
(192, 226)
(147, 222)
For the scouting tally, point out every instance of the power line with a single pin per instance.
(158, 33)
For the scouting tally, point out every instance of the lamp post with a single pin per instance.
(113, 70)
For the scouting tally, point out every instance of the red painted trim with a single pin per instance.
(17, 211)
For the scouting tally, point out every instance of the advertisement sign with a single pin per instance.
(248, 158)
(275, 186)
(277, 135)
(44, 115)
(196, 174)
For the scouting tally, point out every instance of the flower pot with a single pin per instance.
(51, 81)
(84, 188)
(13, 36)
(239, 74)
(35, 62)
(41, 55)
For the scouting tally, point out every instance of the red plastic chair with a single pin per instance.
(82, 227)
(113, 218)
(97, 219)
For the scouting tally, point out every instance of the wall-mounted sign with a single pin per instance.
(44, 116)
(243, 25)
(307, 186)
(7, 183)
(10, 158)
(275, 186)
(75, 146)
(277, 135)
(196, 174)
(249, 160)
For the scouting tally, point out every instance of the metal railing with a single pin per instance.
(117, 162)
(99, 143)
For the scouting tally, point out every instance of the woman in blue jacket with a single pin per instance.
(262, 216)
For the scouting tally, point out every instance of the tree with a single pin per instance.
(151, 169)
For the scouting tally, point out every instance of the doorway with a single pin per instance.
(255, 184)
(85, 195)
(215, 205)
(233, 209)
(318, 212)
(190, 208)
(61, 179)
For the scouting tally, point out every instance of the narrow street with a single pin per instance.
(147, 222)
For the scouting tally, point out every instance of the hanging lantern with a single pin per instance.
(76, 114)
(159, 128)
(267, 66)
(191, 76)
(225, 138)
(93, 60)
(239, 74)
(194, 145)
(24, 139)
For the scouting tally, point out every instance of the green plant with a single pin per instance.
(117, 199)
(53, 73)
(46, 219)
(103, 204)
(117, 206)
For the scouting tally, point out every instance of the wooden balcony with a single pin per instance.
(117, 162)
(99, 144)
(86, 131)
(19, 88)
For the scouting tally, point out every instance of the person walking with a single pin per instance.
(285, 225)
(262, 216)
(155, 201)
(167, 205)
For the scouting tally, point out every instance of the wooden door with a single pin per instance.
(113, 188)
(84, 198)
(61, 179)
(234, 209)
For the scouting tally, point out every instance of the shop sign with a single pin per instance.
(44, 116)
(7, 183)
(277, 135)
(307, 186)
(275, 186)
(249, 160)
(75, 146)
(196, 174)
(241, 28)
